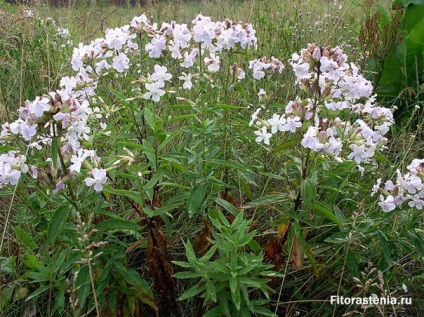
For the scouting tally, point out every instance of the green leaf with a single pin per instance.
(133, 195)
(417, 241)
(327, 213)
(233, 285)
(7, 265)
(382, 158)
(338, 238)
(262, 311)
(133, 278)
(414, 13)
(60, 299)
(187, 274)
(217, 218)
(154, 180)
(25, 238)
(132, 145)
(352, 264)
(405, 3)
(148, 116)
(196, 198)
(32, 262)
(191, 255)
(266, 200)
(168, 139)
(104, 279)
(82, 285)
(181, 117)
(59, 259)
(150, 153)
(118, 224)
(236, 295)
(286, 144)
(118, 93)
(183, 264)
(227, 206)
(38, 292)
(193, 291)
(57, 222)
(162, 210)
(308, 190)
(223, 303)
(254, 246)
(384, 245)
(6, 295)
(215, 312)
(209, 254)
(211, 290)
(7, 148)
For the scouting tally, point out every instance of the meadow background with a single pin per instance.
(196, 217)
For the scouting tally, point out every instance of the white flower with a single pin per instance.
(204, 31)
(302, 71)
(121, 62)
(416, 202)
(189, 58)
(387, 204)
(174, 48)
(277, 123)
(293, 122)
(263, 135)
(28, 131)
(156, 46)
(405, 289)
(310, 139)
(415, 164)
(213, 63)
(333, 146)
(136, 21)
(99, 178)
(376, 187)
(39, 106)
(115, 38)
(389, 185)
(240, 74)
(154, 91)
(261, 92)
(77, 159)
(187, 81)
(161, 75)
(359, 153)
(103, 64)
(9, 175)
(254, 119)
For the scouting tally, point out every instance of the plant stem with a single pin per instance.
(96, 304)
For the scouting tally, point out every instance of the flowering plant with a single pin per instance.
(335, 90)
(408, 188)
(149, 131)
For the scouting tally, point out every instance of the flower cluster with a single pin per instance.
(12, 165)
(63, 119)
(64, 35)
(66, 113)
(158, 79)
(408, 188)
(205, 40)
(265, 65)
(335, 90)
